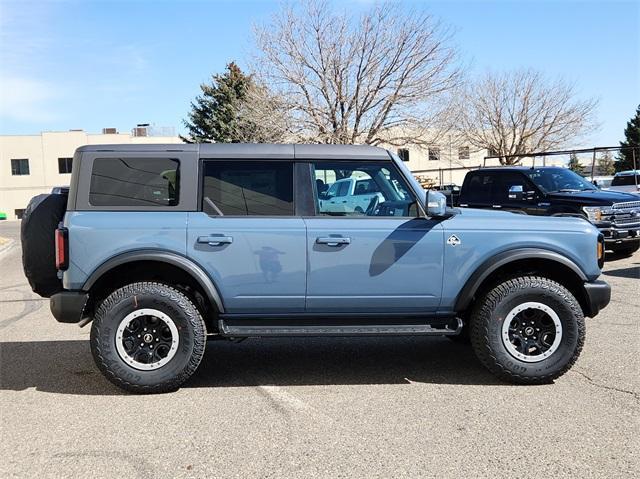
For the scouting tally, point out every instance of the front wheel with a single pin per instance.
(147, 338)
(528, 330)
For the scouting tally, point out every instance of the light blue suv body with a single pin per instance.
(238, 229)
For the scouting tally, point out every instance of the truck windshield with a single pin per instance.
(553, 180)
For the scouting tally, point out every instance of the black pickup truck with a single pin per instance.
(556, 191)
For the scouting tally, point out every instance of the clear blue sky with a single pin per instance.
(89, 64)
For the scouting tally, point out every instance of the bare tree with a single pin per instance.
(522, 112)
(382, 77)
(262, 117)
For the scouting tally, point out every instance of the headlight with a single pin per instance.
(594, 213)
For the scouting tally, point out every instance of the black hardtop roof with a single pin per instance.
(251, 150)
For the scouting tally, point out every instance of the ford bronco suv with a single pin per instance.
(163, 247)
(556, 191)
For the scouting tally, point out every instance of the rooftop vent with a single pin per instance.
(109, 131)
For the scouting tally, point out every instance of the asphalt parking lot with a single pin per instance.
(392, 407)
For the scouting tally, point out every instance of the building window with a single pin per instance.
(403, 153)
(463, 152)
(434, 153)
(20, 167)
(19, 213)
(64, 165)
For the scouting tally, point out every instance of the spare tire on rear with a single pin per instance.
(37, 234)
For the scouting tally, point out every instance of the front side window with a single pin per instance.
(362, 189)
(503, 182)
(247, 188)
(134, 182)
(20, 167)
(553, 180)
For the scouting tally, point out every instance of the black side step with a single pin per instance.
(256, 330)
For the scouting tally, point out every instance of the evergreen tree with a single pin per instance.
(632, 139)
(575, 165)
(215, 114)
(605, 166)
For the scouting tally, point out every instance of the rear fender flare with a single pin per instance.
(174, 259)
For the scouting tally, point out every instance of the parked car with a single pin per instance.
(350, 196)
(627, 181)
(3, 215)
(60, 190)
(451, 191)
(555, 191)
(162, 247)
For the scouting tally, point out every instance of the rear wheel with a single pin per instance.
(147, 338)
(528, 330)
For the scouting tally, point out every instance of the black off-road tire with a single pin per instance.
(626, 249)
(490, 313)
(166, 299)
(37, 236)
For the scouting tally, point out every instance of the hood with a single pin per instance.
(593, 197)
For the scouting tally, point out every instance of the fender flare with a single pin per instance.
(489, 266)
(174, 259)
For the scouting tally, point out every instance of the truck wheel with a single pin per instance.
(626, 249)
(528, 330)
(147, 338)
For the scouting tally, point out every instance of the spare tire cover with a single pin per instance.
(37, 234)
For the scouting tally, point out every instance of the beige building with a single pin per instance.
(34, 164)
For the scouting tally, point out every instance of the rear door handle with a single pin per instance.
(214, 240)
(333, 241)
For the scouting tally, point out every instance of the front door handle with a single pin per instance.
(215, 240)
(333, 240)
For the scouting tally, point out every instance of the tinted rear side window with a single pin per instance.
(255, 188)
(477, 188)
(624, 180)
(134, 182)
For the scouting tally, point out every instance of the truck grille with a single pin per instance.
(626, 205)
(626, 214)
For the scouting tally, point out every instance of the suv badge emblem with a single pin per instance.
(453, 240)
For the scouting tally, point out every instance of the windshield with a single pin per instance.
(552, 180)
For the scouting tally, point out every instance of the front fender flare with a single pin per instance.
(492, 264)
(174, 259)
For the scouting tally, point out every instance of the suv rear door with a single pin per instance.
(387, 261)
(247, 235)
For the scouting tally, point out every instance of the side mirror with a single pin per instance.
(516, 192)
(436, 204)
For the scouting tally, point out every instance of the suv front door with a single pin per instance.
(385, 259)
(247, 235)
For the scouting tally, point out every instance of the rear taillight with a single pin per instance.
(62, 248)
